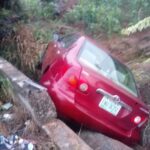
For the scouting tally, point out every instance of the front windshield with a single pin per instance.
(103, 63)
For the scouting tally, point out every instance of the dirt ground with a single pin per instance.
(22, 124)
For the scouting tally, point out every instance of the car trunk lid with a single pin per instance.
(108, 102)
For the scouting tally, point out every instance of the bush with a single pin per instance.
(37, 8)
(107, 16)
(43, 35)
(96, 16)
(4, 13)
(5, 87)
(21, 50)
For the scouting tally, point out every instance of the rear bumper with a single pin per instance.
(67, 107)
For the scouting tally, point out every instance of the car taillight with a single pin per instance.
(73, 81)
(137, 119)
(83, 87)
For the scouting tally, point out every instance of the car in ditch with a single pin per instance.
(93, 88)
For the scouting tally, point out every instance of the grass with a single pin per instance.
(5, 86)
(4, 13)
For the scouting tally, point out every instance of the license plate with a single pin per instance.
(109, 106)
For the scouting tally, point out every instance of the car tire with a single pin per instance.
(146, 136)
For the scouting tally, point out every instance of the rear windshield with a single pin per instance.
(68, 40)
(98, 60)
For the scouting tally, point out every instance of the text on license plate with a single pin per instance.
(109, 106)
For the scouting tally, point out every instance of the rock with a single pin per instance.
(6, 106)
(30, 95)
(64, 137)
(99, 141)
(147, 54)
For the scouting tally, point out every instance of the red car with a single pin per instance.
(93, 88)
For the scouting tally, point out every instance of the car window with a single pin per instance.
(103, 63)
(68, 40)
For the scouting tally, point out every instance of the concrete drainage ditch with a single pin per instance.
(35, 100)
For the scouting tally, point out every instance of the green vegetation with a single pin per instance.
(97, 16)
(141, 25)
(36, 8)
(108, 16)
(4, 89)
(43, 35)
(4, 13)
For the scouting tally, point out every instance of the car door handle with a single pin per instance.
(103, 92)
(114, 98)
